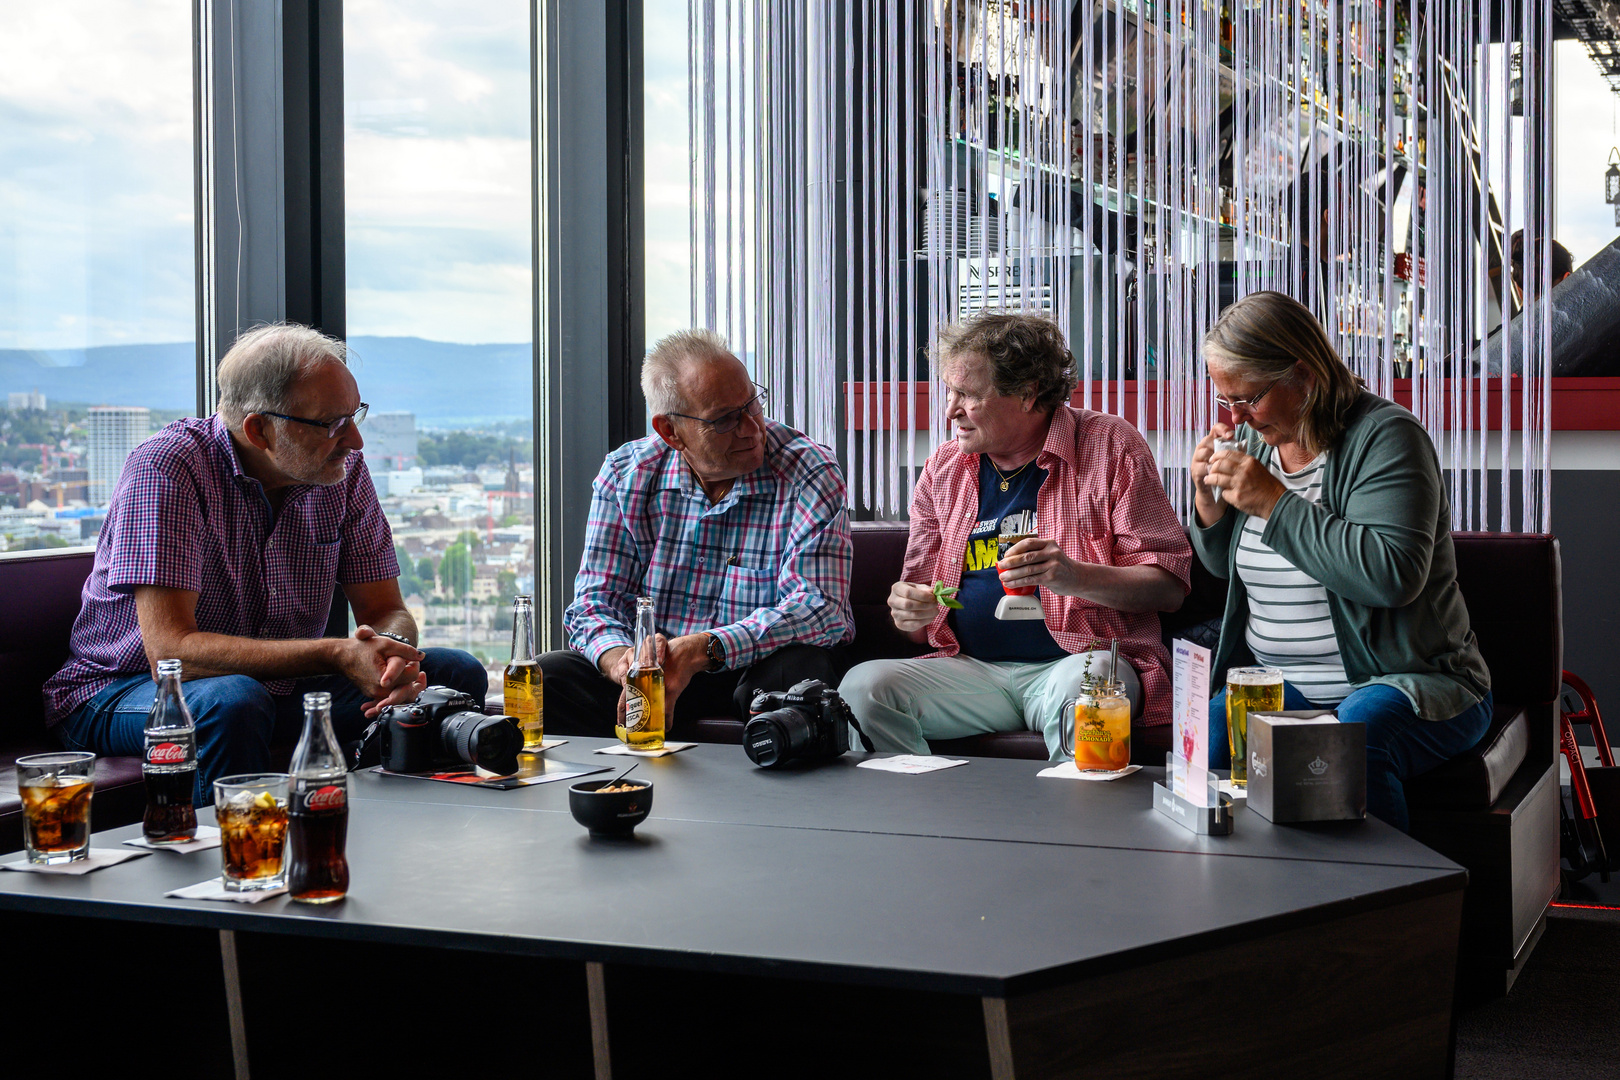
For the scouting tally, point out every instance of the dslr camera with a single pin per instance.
(443, 729)
(807, 722)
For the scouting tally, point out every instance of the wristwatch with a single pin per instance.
(397, 637)
(716, 651)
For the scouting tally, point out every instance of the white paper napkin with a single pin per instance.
(96, 860)
(669, 748)
(207, 837)
(1069, 771)
(214, 889)
(910, 764)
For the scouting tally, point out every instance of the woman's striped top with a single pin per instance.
(1289, 625)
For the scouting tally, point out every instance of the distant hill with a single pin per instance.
(444, 384)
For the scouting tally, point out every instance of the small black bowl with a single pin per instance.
(616, 813)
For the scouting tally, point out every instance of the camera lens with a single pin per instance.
(490, 742)
(775, 738)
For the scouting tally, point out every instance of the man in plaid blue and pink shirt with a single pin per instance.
(224, 543)
(734, 525)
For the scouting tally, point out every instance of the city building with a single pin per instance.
(390, 441)
(115, 430)
(26, 399)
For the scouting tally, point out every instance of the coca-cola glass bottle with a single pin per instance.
(170, 764)
(318, 814)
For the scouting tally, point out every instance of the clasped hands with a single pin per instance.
(1245, 483)
(388, 672)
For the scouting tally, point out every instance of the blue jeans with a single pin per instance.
(237, 718)
(1399, 745)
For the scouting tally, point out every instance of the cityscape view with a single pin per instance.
(459, 497)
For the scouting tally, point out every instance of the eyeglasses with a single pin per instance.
(727, 422)
(1248, 403)
(331, 427)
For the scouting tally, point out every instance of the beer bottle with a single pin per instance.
(525, 686)
(170, 765)
(318, 811)
(643, 727)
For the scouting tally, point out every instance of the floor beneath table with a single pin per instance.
(1562, 1018)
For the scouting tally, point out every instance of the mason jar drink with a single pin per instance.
(1248, 690)
(1100, 727)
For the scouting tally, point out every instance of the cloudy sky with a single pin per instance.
(96, 188)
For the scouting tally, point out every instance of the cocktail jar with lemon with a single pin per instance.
(1101, 729)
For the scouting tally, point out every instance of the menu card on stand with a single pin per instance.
(1190, 715)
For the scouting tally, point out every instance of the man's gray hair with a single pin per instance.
(661, 370)
(259, 372)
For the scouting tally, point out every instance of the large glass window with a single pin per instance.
(97, 261)
(667, 169)
(437, 156)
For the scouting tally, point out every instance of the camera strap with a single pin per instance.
(357, 750)
(849, 715)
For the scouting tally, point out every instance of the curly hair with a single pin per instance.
(1027, 354)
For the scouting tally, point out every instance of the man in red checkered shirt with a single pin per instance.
(1105, 553)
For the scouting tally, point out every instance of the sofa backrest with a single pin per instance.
(39, 598)
(1512, 583)
(880, 552)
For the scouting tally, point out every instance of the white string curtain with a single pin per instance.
(869, 172)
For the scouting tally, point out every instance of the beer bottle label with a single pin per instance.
(319, 795)
(635, 708)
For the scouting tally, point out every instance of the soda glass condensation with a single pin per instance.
(251, 811)
(643, 727)
(524, 699)
(55, 791)
(1248, 690)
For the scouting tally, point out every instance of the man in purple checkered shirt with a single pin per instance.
(733, 524)
(223, 545)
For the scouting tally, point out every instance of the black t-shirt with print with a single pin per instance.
(978, 631)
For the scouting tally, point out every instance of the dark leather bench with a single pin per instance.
(40, 596)
(1495, 809)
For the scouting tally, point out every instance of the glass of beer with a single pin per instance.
(55, 791)
(251, 811)
(1248, 689)
(643, 727)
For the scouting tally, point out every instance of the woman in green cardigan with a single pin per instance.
(1333, 530)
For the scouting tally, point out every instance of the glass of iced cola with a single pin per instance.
(55, 791)
(251, 811)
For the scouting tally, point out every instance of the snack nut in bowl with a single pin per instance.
(611, 807)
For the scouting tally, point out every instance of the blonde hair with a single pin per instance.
(1262, 336)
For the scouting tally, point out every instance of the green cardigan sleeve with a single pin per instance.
(1377, 554)
(1214, 544)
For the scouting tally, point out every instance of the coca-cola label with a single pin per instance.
(316, 797)
(168, 753)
